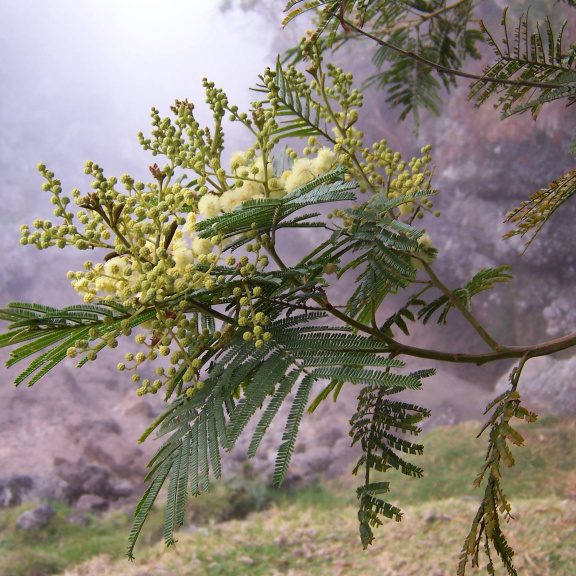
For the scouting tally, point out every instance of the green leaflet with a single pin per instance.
(172, 497)
(291, 431)
(361, 376)
(299, 354)
(262, 382)
(486, 527)
(530, 56)
(266, 214)
(450, 39)
(279, 396)
(182, 483)
(145, 505)
(372, 426)
(534, 213)
(482, 280)
(55, 330)
(302, 118)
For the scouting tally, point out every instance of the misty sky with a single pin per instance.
(77, 81)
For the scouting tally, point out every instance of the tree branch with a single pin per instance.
(458, 304)
(505, 353)
(443, 69)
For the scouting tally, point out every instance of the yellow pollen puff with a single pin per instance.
(238, 159)
(406, 208)
(202, 245)
(425, 241)
(190, 225)
(209, 205)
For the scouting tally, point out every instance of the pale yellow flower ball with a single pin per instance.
(104, 284)
(202, 245)
(425, 241)
(190, 225)
(302, 172)
(238, 159)
(209, 205)
(324, 162)
(250, 190)
(406, 208)
(183, 256)
(230, 200)
(280, 185)
(259, 163)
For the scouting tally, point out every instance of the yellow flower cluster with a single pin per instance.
(255, 179)
(125, 277)
(156, 258)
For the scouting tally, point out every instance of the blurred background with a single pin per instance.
(77, 81)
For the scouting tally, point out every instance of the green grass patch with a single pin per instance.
(545, 464)
(59, 545)
(245, 527)
(313, 541)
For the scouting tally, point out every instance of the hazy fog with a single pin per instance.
(78, 78)
(77, 81)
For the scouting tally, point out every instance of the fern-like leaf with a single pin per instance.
(486, 524)
(533, 214)
(39, 327)
(145, 505)
(482, 280)
(292, 425)
(534, 64)
(271, 411)
(372, 426)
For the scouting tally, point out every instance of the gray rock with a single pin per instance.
(547, 386)
(98, 482)
(316, 460)
(13, 489)
(74, 473)
(91, 503)
(120, 488)
(294, 478)
(301, 446)
(92, 427)
(36, 518)
(329, 437)
(133, 405)
(78, 518)
(81, 479)
(238, 455)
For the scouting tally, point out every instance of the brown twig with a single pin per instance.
(443, 69)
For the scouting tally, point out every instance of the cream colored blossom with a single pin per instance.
(116, 277)
(182, 254)
(251, 190)
(190, 225)
(277, 186)
(425, 241)
(230, 200)
(406, 208)
(324, 162)
(202, 245)
(209, 205)
(238, 159)
(278, 193)
(302, 172)
(113, 274)
(259, 163)
(104, 284)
